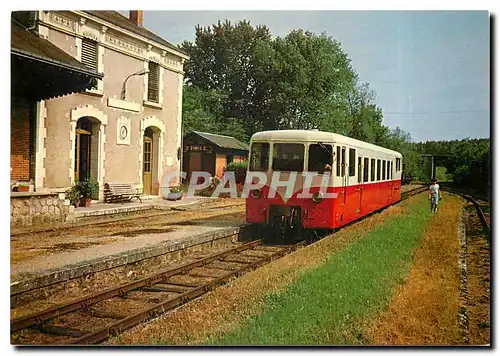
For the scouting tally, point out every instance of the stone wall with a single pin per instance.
(28, 209)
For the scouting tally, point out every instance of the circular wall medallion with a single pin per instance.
(123, 132)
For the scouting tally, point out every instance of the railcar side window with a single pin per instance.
(288, 157)
(337, 157)
(259, 156)
(343, 162)
(378, 169)
(359, 169)
(388, 169)
(372, 170)
(320, 158)
(398, 164)
(352, 162)
(392, 166)
(365, 170)
(383, 170)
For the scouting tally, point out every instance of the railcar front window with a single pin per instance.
(259, 157)
(320, 158)
(288, 157)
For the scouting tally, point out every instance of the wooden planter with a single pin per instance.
(23, 188)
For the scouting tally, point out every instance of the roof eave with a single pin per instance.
(25, 54)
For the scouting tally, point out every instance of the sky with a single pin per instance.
(430, 69)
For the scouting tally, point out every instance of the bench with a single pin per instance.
(114, 192)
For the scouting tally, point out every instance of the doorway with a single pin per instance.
(83, 149)
(150, 161)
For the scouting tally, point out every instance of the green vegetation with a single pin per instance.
(442, 174)
(240, 80)
(326, 304)
(237, 166)
(468, 161)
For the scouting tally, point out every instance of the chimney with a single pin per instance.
(136, 17)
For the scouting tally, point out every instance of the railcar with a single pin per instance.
(317, 180)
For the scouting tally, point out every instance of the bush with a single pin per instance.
(73, 195)
(88, 188)
(237, 167)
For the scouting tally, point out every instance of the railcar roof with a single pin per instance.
(317, 136)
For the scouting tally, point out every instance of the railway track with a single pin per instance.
(94, 318)
(479, 203)
(150, 296)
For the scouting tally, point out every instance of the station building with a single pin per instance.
(123, 127)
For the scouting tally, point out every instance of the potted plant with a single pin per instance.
(73, 195)
(174, 193)
(87, 188)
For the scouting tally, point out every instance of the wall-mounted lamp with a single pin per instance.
(141, 72)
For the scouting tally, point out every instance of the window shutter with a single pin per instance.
(89, 53)
(154, 82)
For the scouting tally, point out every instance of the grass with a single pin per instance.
(323, 304)
(230, 305)
(424, 310)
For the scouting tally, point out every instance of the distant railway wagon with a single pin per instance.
(318, 180)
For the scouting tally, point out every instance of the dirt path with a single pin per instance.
(425, 310)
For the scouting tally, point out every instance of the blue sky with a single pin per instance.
(430, 69)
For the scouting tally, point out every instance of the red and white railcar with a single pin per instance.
(360, 179)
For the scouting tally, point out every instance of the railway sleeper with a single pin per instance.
(60, 331)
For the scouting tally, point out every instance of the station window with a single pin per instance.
(378, 169)
(320, 158)
(352, 162)
(288, 157)
(372, 169)
(259, 156)
(359, 169)
(383, 170)
(365, 170)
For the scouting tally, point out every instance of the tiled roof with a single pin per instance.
(223, 141)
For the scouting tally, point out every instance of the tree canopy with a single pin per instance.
(240, 80)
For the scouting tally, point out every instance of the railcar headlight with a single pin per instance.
(317, 197)
(255, 193)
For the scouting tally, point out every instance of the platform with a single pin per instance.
(61, 266)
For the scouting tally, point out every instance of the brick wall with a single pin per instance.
(20, 143)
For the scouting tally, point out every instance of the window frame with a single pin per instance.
(289, 143)
(352, 164)
(372, 170)
(366, 170)
(151, 82)
(251, 168)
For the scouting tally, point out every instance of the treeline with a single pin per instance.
(467, 160)
(240, 80)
